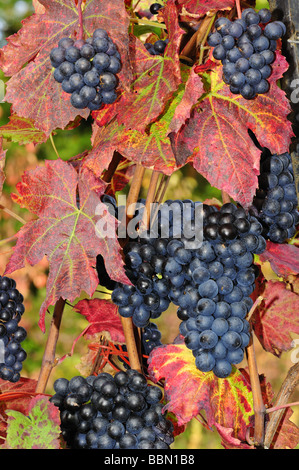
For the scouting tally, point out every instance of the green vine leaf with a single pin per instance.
(39, 430)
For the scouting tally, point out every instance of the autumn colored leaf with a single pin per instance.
(50, 107)
(103, 318)
(226, 402)
(15, 396)
(22, 130)
(151, 149)
(156, 78)
(121, 177)
(284, 259)
(276, 318)
(195, 9)
(39, 429)
(2, 164)
(216, 135)
(193, 91)
(228, 441)
(71, 236)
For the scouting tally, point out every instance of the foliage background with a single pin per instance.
(184, 184)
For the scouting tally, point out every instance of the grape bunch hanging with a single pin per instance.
(211, 284)
(276, 199)
(87, 69)
(12, 334)
(246, 47)
(112, 412)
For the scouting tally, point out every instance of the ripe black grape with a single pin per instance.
(156, 48)
(120, 412)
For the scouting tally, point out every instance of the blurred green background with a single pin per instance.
(31, 281)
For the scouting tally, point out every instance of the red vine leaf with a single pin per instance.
(15, 396)
(216, 135)
(103, 318)
(228, 439)
(193, 91)
(276, 318)
(22, 130)
(121, 177)
(227, 402)
(69, 236)
(156, 78)
(50, 107)
(284, 259)
(195, 9)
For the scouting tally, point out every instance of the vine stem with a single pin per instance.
(281, 407)
(130, 335)
(53, 145)
(148, 22)
(239, 11)
(289, 385)
(48, 361)
(258, 403)
(198, 36)
(8, 240)
(108, 175)
(149, 200)
(80, 15)
(134, 192)
(204, 39)
(15, 216)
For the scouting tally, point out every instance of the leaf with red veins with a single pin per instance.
(103, 318)
(122, 175)
(195, 9)
(14, 396)
(193, 91)
(216, 135)
(32, 90)
(2, 164)
(228, 441)
(156, 78)
(276, 318)
(22, 130)
(227, 402)
(151, 149)
(69, 236)
(284, 259)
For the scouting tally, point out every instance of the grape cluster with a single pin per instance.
(210, 284)
(87, 69)
(157, 48)
(276, 199)
(112, 412)
(246, 48)
(12, 308)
